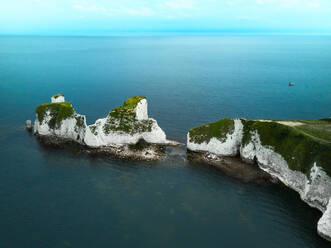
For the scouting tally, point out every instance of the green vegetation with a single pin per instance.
(127, 125)
(57, 95)
(218, 129)
(300, 146)
(58, 112)
(79, 121)
(93, 129)
(123, 118)
(128, 108)
(319, 129)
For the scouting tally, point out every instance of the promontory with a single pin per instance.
(297, 153)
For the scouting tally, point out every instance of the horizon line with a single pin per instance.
(123, 33)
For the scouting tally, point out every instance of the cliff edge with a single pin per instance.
(298, 153)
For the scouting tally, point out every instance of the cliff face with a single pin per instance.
(298, 153)
(124, 125)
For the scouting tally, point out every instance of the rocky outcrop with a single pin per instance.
(324, 224)
(28, 125)
(221, 138)
(296, 153)
(57, 98)
(117, 133)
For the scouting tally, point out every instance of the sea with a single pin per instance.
(58, 198)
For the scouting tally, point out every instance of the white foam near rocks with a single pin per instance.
(227, 147)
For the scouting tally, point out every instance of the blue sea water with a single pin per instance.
(54, 198)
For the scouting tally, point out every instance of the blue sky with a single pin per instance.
(107, 16)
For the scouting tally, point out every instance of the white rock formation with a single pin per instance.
(141, 110)
(28, 125)
(227, 147)
(75, 128)
(315, 190)
(324, 224)
(58, 98)
(68, 128)
(100, 138)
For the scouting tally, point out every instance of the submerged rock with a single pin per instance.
(231, 166)
(117, 134)
(298, 153)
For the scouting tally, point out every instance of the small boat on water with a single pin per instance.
(290, 84)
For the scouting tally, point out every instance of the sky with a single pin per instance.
(92, 17)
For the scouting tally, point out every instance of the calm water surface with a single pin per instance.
(54, 198)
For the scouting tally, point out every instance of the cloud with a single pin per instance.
(314, 4)
(89, 8)
(180, 4)
(230, 3)
(291, 3)
(279, 2)
(244, 18)
(140, 12)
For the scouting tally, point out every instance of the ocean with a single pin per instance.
(56, 198)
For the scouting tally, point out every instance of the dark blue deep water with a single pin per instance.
(55, 198)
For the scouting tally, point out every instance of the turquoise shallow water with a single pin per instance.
(53, 198)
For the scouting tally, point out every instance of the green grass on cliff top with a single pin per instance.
(58, 111)
(128, 108)
(205, 132)
(300, 146)
(57, 95)
(123, 118)
(318, 129)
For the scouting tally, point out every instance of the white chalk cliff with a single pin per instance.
(57, 98)
(124, 125)
(226, 147)
(314, 189)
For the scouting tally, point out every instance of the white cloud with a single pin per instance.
(180, 4)
(140, 12)
(291, 3)
(314, 4)
(244, 18)
(230, 3)
(119, 10)
(89, 8)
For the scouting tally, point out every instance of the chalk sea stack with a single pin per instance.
(126, 131)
